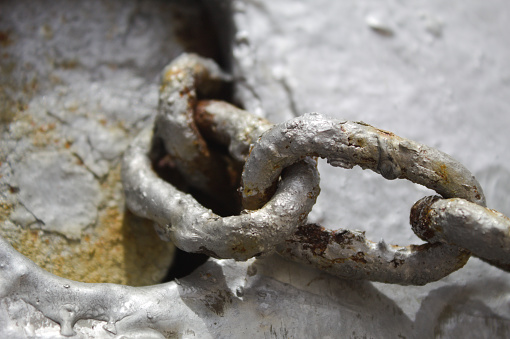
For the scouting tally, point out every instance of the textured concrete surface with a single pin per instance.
(50, 186)
(77, 81)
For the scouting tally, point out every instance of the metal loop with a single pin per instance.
(182, 124)
(349, 255)
(484, 232)
(179, 216)
(347, 144)
(230, 126)
(194, 228)
(182, 81)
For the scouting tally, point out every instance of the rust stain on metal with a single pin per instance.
(397, 262)
(217, 301)
(344, 237)
(313, 237)
(356, 142)
(5, 39)
(420, 218)
(442, 171)
(383, 132)
(239, 248)
(359, 257)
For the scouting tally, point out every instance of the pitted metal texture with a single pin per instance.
(180, 218)
(194, 228)
(270, 152)
(347, 144)
(484, 232)
(280, 186)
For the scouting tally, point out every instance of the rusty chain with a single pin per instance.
(189, 138)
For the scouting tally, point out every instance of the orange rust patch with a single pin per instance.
(356, 142)
(5, 210)
(384, 133)
(5, 39)
(338, 260)
(121, 248)
(47, 127)
(344, 237)
(173, 73)
(313, 237)
(203, 119)
(442, 172)
(359, 258)
(185, 91)
(421, 218)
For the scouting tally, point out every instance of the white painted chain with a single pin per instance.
(280, 181)
(275, 212)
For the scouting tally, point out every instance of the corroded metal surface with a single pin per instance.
(194, 228)
(347, 144)
(484, 232)
(76, 85)
(348, 254)
(171, 309)
(223, 298)
(343, 253)
(180, 218)
(182, 81)
(230, 126)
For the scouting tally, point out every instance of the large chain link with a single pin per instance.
(187, 133)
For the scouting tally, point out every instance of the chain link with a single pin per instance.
(179, 216)
(275, 212)
(484, 232)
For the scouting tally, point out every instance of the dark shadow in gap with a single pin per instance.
(204, 27)
(184, 264)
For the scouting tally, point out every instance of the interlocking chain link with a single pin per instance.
(274, 219)
(179, 217)
(485, 232)
(347, 144)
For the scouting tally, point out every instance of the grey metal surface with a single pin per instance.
(347, 144)
(77, 82)
(221, 299)
(484, 232)
(439, 77)
(194, 228)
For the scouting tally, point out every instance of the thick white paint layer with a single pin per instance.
(441, 78)
(430, 71)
